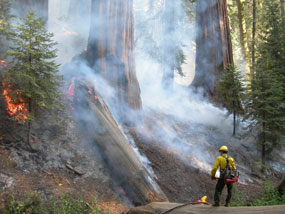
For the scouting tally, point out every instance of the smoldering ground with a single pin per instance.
(205, 126)
(193, 126)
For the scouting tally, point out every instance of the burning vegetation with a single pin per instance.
(15, 107)
(2, 64)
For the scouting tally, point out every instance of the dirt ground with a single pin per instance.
(178, 181)
(182, 183)
(53, 182)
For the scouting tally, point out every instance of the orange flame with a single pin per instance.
(70, 92)
(3, 64)
(16, 110)
(121, 189)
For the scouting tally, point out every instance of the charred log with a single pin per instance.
(110, 50)
(213, 43)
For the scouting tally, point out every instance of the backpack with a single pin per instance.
(228, 172)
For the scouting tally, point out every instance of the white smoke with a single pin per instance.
(185, 123)
(194, 128)
(69, 20)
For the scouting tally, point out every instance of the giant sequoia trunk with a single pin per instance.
(23, 7)
(110, 51)
(213, 43)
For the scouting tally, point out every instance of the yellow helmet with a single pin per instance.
(224, 148)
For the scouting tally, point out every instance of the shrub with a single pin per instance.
(66, 204)
(270, 196)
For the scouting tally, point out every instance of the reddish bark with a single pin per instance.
(111, 50)
(214, 48)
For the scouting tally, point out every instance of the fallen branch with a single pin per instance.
(89, 206)
(68, 166)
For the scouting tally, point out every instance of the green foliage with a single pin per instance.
(265, 109)
(30, 206)
(71, 205)
(270, 196)
(239, 198)
(265, 105)
(272, 48)
(180, 59)
(66, 204)
(189, 6)
(230, 91)
(33, 76)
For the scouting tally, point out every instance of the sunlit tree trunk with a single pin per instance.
(242, 30)
(111, 51)
(253, 38)
(282, 8)
(213, 43)
(282, 5)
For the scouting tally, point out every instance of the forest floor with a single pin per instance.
(179, 182)
(182, 183)
(16, 181)
(45, 172)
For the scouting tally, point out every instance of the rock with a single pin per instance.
(6, 181)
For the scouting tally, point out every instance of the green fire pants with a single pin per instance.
(219, 188)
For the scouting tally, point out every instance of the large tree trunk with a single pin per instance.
(282, 7)
(111, 51)
(23, 7)
(242, 31)
(253, 38)
(213, 43)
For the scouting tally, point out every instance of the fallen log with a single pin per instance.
(75, 171)
(124, 165)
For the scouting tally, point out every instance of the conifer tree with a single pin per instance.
(265, 110)
(273, 41)
(230, 91)
(33, 76)
(266, 107)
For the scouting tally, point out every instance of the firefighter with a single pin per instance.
(221, 162)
